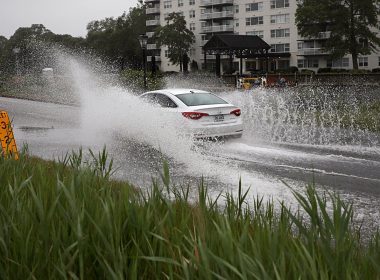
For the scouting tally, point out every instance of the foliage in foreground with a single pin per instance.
(68, 220)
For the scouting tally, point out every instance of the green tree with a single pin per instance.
(117, 39)
(351, 23)
(176, 36)
(31, 43)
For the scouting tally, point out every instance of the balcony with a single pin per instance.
(152, 1)
(324, 35)
(218, 28)
(153, 22)
(224, 14)
(157, 57)
(312, 51)
(153, 10)
(205, 3)
(151, 47)
(320, 36)
(150, 34)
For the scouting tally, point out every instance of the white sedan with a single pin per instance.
(206, 114)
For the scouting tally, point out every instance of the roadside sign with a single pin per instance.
(7, 140)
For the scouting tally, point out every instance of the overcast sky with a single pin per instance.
(60, 16)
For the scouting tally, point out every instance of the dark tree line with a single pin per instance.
(114, 39)
(117, 39)
(24, 48)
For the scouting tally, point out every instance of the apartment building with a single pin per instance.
(272, 20)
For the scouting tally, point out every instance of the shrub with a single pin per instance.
(134, 80)
(324, 70)
(307, 71)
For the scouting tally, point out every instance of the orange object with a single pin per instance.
(7, 140)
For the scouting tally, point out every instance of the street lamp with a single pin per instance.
(143, 41)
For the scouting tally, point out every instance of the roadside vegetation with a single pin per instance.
(133, 80)
(69, 220)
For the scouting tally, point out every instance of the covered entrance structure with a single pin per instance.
(240, 46)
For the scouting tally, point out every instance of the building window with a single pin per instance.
(378, 63)
(307, 63)
(254, 21)
(363, 61)
(283, 64)
(254, 7)
(236, 22)
(192, 13)
(236, 9)
(191, 2)
(259, 33)
(166, 53)
(192, 26)
(280, 33)
(339, 63)
(167, 4)
(274, 4)
(280, 48)
(180, 3)
(283, 18)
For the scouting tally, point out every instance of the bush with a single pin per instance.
(376, 70)
(359, 71)
(307, 71)
(324, 70)
(290, 70)
(134, 80)
(339, 70)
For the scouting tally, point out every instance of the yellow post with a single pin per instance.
(7, 140)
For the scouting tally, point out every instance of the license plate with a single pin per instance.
(219, 118)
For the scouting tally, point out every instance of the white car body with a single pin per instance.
(201, 120)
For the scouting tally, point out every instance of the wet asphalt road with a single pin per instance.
(52, 130)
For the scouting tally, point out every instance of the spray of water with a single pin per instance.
(305, 115)
(112, 114)
(132, 130)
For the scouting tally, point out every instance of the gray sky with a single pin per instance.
(60, 16)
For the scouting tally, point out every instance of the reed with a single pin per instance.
(68, 220)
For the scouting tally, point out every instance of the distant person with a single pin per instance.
(281, 82)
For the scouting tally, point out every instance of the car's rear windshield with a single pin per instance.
(196, 99)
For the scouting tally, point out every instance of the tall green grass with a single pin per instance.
(69, 220)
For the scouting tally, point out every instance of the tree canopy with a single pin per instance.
(117, 38)
(25, 45)
(351, 23)
(176, 36)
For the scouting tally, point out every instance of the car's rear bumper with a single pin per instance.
(227, 130)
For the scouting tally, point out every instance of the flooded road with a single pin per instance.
(52, 130)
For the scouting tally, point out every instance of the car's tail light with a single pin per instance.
(236, 112)
(194, 115)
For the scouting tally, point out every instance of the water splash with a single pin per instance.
(304, 115)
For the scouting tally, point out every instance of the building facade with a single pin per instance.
(272, 20)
